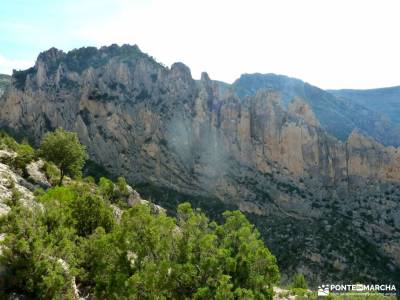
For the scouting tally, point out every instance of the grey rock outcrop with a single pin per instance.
(11, 183)
(134, 198)
(36, 175)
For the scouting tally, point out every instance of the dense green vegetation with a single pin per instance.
(84, 234)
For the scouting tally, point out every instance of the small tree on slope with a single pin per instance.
(64, 150)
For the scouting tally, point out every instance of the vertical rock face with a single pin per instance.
(158, 126)
(5, 81)
(367, 158)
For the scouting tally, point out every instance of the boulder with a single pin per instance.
(36, 175)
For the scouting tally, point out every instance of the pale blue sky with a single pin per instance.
(28, 27)
(329, 43)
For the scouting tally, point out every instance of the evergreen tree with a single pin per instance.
(64, 150)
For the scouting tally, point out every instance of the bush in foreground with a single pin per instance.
(71, 238)
(144, 256)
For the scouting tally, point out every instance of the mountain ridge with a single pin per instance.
(383, 100)
(338, 115)
(158, 126)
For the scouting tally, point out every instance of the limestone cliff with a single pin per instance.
(156, 125)
(4, 82)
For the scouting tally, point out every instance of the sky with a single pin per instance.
(329, 43)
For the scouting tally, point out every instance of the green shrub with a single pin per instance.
(122, 186)
(107, 188)
(30, 257)
(25, 155)
(146, 256)
(299, 282)
(7, 142)
(298, 291)
(58, 194)
(143, 257)
(16, 195)
(52, 173)
(64, 150)
(89, 179)
(89, 213)
(76, 207)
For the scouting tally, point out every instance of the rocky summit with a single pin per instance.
(317, 173)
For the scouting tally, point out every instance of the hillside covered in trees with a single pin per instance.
(68, 237)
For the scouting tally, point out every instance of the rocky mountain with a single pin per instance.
(295, 158)
(5, 81)
(373, 112)
(385, 100)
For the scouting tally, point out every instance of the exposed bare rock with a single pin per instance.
(64, 265)
(282, 294)
(135, 199)
(367, 158)
(9, 181)
(34, 170)
(12, 186)
(302, 110)
(4, 209)
(4, 154)
(117, 212)
(132, 257)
